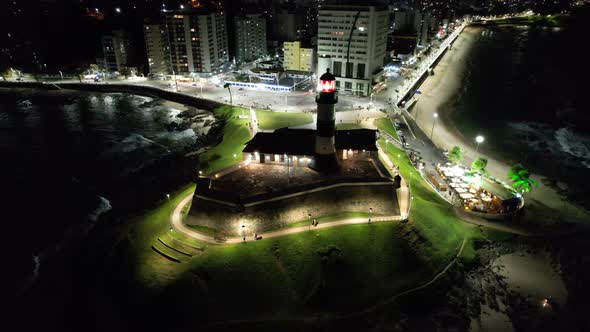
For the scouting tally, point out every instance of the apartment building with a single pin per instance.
(117, 50)
(250, 35)
(297, 58)
(198, 41)
(157, 49)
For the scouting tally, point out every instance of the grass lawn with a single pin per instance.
(151, 268)
(386, 125)
(275, 120)
(279, 278)
(235, 136)
(348, 126)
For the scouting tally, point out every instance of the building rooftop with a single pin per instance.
(302, 141)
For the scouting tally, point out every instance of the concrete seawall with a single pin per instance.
(142, 90)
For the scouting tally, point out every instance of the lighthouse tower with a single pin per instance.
(325, 150)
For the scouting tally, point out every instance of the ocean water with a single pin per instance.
(525, 90)
(70, 157)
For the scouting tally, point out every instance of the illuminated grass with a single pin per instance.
(348, 126)
(278, 277)
(386, 125)
(235, 136)
(274, 120)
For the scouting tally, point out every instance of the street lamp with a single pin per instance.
(478, 139)
(435, 115)
(244, 233)
(309, 219)
(370, 213)
(227, 85)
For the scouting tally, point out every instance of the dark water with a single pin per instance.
(526, 91)
(68, 157)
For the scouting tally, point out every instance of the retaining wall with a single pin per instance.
(275, 214)
(142, 90)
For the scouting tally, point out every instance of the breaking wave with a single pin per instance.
(574, 144)
(563, 143)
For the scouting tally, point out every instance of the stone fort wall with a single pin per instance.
(277, 214)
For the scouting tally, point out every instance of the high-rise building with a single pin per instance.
(198, 41)
(297, 57)
(157, 49)
(250, 35)
(422, 24)
(284, 25)
(352, 42)
(117, 50)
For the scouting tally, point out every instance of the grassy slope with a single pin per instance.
(274, 120)
(433, 217)
(386, 125)
(235, 136)
(281, 277)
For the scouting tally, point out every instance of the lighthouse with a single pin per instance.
(325, 150)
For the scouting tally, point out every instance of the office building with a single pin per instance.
(357, 60)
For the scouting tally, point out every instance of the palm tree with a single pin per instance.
(126, 72)
(456, 155)
(479, 165)
(5, 72)
(521, 178)
(79, 73)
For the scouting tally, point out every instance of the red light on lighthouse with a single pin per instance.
(327, 86)
(327, 82)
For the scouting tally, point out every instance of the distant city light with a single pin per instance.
(118, 10)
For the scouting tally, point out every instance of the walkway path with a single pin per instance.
(176, 223)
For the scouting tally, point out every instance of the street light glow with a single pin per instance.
(435, 115)
(479, 139)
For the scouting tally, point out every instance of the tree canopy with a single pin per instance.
(456, 155)
(479, 165)
(521, 178)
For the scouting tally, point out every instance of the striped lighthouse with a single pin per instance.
(325, 150)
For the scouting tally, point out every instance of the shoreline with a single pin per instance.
(439, 93)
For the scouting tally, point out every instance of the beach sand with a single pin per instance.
(440, 91)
